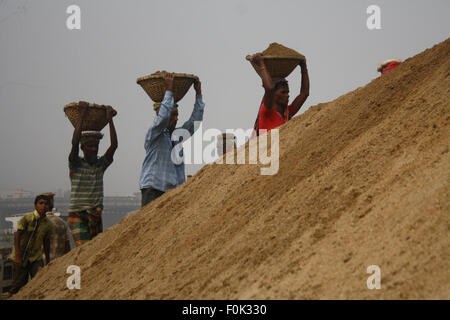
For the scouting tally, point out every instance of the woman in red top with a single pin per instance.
(274, 110)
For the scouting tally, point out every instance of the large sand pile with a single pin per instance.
(363, 180)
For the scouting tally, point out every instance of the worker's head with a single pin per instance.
(173, 115)
(281, 92)
(51, 199)
(42, 204)
(90, 141)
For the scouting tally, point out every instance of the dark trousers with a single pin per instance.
(149, 194)
(21, 273)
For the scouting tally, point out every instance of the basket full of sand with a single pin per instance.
(280, 61)
(155, 87)
(95, 119)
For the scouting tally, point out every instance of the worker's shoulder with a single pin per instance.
(55, 219)
(26, 220)
(28, 216)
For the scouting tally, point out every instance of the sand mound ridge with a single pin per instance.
(363, 180)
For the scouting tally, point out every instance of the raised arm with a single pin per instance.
(198, 87)
(109, 155)
(266, 80)
(199, 106)
(163, 117)
(83, 109)
(304, 91)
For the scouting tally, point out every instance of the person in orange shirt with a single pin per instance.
(275, 109)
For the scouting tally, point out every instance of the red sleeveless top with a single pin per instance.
(270, 118)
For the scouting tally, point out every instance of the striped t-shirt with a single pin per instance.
(87, 184)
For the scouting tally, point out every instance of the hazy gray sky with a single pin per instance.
(44, 66)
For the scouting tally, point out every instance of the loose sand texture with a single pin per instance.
(363, 180)
(276, 49)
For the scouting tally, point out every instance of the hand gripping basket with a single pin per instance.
(95, 119)
(155, 87)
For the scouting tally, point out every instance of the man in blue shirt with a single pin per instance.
(159, 173)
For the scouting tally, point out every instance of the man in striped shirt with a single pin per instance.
(86, 177)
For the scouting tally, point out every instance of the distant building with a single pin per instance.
(6, 239)
(137, 196)
(17, 194)
(6, 274)
(14, 220)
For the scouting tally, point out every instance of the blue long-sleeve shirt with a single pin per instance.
(158, 170)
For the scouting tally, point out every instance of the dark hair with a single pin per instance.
(280, 83)
(41, 196)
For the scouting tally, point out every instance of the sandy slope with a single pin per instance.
(363, 180)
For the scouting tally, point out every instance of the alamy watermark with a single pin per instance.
(374, 20)
(374, 281)
(74, 281)
(258, 148)
(73, 21)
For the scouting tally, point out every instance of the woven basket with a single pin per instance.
(277, 66)
(95, 119)
(155, 87)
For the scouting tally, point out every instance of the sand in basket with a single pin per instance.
(95, 119)
(280, 61)
(155, 87)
